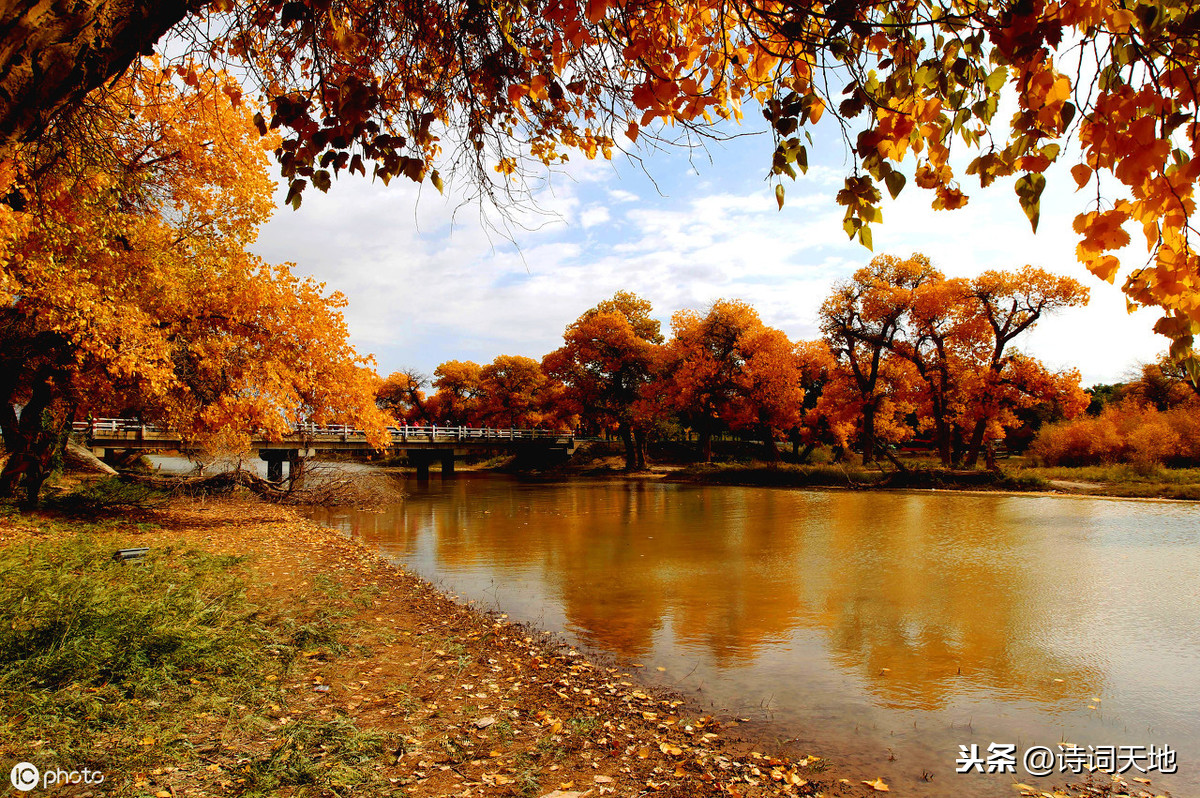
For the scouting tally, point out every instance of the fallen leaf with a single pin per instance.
(877, 785)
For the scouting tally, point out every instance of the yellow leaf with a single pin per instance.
(1082, 174)
(877, 785)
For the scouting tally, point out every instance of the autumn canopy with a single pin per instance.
(417, 89)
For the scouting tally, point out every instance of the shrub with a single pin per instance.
(1128, 432)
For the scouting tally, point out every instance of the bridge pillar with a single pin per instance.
(422, 459)
(275, 458)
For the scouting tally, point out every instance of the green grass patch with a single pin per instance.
(779, 475)
(120, 667)
(1123, 479)
(853, 476)
(106, 495)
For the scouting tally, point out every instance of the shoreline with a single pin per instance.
(468, 702)
(581, 725)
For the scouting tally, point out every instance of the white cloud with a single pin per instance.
(427, 282)
(597, 214)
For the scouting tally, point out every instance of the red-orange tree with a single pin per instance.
(1011, 303)
(606, 360)
(402, 395)
(862, 320)
(126, 285)
(456, 401)
(728, 370)
(515, 392)
(943, 333)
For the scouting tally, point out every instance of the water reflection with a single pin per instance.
(873, 622)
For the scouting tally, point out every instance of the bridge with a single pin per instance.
(422, 445)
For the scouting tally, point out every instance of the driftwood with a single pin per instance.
(318, 485)
(81, 459)
(220, 482)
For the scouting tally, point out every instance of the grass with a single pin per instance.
(120, 667)
(780, 474)
(1112, 480)
(825, 475)
(1123, 479)
(107, 495)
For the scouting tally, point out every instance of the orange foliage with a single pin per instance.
(402, 394)
(607, 358)
(403, 88)
(726, 369)
(1126, 432)
(457, 399)
(129, 287)
(515, 392)
(872, 389)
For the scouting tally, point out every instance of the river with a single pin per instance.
(882, 629)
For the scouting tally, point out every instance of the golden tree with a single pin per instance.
(127, 285)
(1011, 303)
(607, 357)
(862, 321)
(728, 370)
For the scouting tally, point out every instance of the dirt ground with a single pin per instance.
(471, 704)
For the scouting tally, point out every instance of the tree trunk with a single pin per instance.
(630, 448)
(639, 439)
(976, 444)
(705, 445)
(868, 435)
(770, 450)
(943, 431)
(53, 52)
(38, 438)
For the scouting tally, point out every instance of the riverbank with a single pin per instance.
(255, 653)
(375, 682)
(1118, 481)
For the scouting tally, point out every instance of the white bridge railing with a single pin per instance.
(123, 427)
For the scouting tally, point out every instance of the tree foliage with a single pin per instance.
(413, 89)
(909, 341)
(127, 286)
(608, 357)
(727, 370)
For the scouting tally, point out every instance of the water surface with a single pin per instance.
(882, 629)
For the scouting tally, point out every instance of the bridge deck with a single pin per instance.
(124, 433)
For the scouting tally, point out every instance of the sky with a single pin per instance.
(427, 282)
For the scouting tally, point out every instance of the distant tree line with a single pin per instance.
(906, 353)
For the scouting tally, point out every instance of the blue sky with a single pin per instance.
(427, 283)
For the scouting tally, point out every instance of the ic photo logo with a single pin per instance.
(24, 776)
